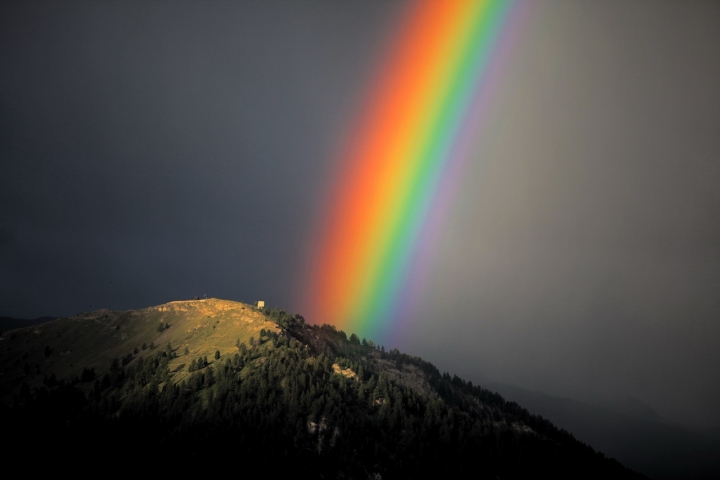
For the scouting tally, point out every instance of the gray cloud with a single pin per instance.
(584, 254)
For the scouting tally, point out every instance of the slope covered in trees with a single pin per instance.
(296, 399)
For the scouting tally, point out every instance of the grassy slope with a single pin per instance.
(94, 339)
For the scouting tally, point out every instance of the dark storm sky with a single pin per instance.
(155, 151)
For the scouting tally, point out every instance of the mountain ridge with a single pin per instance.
(11, 323)
(645, 442)
(264, 384)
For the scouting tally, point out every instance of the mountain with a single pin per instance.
(631, 407)
(212, 385)
(9, 323)
(629, 431)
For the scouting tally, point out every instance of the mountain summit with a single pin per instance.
(213, 384)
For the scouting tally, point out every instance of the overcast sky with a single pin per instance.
(156, 151)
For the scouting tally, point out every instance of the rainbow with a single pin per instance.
(406, 142)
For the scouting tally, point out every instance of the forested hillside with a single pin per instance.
(296, 398)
